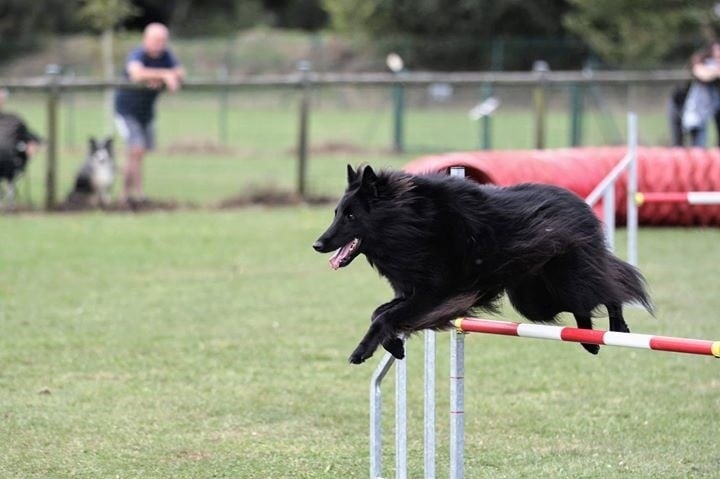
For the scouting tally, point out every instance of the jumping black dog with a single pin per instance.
(449, 247)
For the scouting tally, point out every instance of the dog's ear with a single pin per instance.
(351, 174)
(93, 144)
(109, 144)
(369, 180)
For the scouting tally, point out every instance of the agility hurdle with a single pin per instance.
(605, 190)
(590, 336)
(461, 327)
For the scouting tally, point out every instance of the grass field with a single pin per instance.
(198, 344)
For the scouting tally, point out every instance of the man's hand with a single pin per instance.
(172, 81)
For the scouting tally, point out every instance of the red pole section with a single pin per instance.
(575, 335)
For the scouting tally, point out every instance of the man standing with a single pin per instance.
(153, 65)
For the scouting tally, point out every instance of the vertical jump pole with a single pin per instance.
(376, 415)
(457, 389)
(609, 216)
(401, 418)
(429, 429)
(632, 186)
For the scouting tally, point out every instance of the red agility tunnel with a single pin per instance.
(581, 169)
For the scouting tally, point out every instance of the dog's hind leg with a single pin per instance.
(584, 321)
(617, 322)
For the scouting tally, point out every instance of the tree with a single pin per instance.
(105, 15)
(23, 23)
(451, 34)
(638, 33)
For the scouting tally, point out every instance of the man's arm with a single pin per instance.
(705, 73)
(140, 73)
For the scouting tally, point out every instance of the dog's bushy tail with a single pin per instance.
(631, 283)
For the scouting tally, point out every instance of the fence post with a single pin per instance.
(398, 94)
(486, 122)
(304, 68)
(576, 114)
(540, 68)
(53, 96)
(539, 102)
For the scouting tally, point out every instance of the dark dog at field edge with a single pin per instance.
(449, 246)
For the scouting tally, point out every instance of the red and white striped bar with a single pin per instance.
(590, 336)
(688, 197)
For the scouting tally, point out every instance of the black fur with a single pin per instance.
(449, 247)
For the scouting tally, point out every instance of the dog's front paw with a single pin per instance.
(395, 346)
(591, 348)
(360, 355)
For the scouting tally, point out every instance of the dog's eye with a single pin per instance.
(350, 216)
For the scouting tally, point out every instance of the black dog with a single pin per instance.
(15, 138)
(449, 246)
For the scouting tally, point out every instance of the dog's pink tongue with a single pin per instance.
(340, 255)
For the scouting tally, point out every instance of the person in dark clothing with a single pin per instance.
(701, 102)
(17, 145)
(675, 112)
(153, 65)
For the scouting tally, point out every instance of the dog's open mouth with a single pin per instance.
(346, 254)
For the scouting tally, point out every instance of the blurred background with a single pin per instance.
(234, 133)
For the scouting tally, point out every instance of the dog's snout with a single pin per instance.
(318, 245)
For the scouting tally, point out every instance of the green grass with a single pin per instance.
(200, 344)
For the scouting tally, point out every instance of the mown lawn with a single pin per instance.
(197, 344)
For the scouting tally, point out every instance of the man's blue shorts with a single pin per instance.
(136, 133)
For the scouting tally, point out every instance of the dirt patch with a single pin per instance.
(342, 148)
(139, 206)
(192, 455)
(199, 147)
(261, 196)
(272, 197)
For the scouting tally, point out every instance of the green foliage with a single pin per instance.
(637, 33)
(105, 14)
(445, 34)
(22, 23)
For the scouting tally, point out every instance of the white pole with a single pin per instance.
(401, 418)
(457, 404)
(457, 389)
(376, 415)
(429, 430)
(609, 216)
